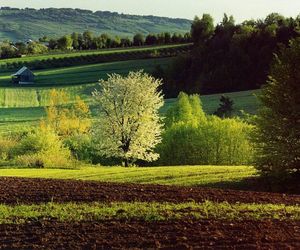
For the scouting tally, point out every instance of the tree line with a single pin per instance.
(88, 41)
(228, 56)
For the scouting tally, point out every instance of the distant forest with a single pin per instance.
(229, 56)
(23, 24)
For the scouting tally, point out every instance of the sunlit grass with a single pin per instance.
(153, 211)
(178, 175)
(25, 106)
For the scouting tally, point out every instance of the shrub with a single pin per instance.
(191, 138)
(81, 147)
(43, 148)
(6, 148)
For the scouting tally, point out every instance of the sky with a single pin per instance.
(240, 9)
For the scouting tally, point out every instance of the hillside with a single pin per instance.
(22, 24)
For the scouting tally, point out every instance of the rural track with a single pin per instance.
(31, 191)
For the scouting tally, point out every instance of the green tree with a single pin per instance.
(226, 107)
(129, 127)
(202, 29)
(67, 119)
(87, 39)
(138, 40)
(52, 44)
(151, 39)
(277, 133)
(36, 48)
(65, 42)
(75, 43)
(125, 42)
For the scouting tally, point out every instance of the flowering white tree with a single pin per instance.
(129, 126)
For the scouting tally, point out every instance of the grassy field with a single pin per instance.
(84, 53)
(146, 211)
(244, 100)
(19, 112)
(181, 175)
(84, 74)
(22, 107)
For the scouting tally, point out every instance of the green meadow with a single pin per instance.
(85, 74)
(23, 112)
(179, 175)
(147, 211)
(21, 107)
(85, 53)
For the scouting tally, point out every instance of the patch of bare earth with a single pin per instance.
(205, 234)
(22, 190)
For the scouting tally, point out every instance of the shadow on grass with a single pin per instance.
(289, 185)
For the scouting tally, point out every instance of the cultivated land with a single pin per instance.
(51, 213)
(77, 54)
(151, 207)
(85, 74)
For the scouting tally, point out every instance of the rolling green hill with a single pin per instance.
(23, 24)
(85, 74)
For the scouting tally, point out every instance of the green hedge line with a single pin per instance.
(95, 58)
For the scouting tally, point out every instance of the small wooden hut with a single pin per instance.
(23, 76)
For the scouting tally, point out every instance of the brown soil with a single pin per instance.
(21, 190)
(206, 234)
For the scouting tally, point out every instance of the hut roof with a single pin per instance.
(21, 71)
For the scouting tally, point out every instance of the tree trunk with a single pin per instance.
(126, 163)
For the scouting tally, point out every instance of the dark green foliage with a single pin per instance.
(278, 123)
(230, 57)
(138, 40)
(202, 29)
(65, 43)
(85, 41)
(226, 107)
(7, 50)
(93, 58)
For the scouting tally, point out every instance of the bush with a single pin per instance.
(215, 142)
(191, 138)
(6, 148)
(81, 147)
(42, 149)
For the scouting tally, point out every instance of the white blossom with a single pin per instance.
(129, 126)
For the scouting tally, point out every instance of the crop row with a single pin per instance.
(95, 58)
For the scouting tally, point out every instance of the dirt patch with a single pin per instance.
(23, 190)
(208, 234)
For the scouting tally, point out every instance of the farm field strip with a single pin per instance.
(14, 190)
(86, 74)
(179, 175)
(146, 211)
(85, 53)
(64, 213)
(178, 234)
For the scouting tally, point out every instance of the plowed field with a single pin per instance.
(172, 234)
(22, 190)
